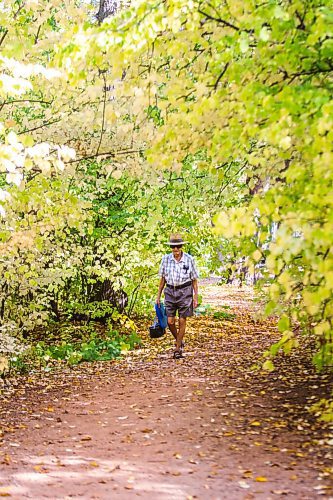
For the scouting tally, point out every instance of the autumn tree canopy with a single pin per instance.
(239, 93)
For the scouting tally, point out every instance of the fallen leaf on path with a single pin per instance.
(6, 459)
(4, 492)
(247, 474)
(40, 468)
(258, 405)
(86, 438)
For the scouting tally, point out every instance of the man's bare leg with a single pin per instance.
(181, 333)
(172, 326)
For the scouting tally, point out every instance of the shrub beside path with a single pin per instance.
(208, 426)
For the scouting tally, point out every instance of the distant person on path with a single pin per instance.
(180, 277)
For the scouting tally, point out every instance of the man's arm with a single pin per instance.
(195, 293)
(194, 275)
(160, 290)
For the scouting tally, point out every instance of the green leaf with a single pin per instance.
(268, 366)
(283, 323)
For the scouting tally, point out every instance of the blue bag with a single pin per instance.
(161, 315)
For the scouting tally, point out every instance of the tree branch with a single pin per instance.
(37, 34)
(45, 124)
(301, 25)
(5, 103)
(221, 76)
(224, 186)
(110, 154)
(3, 37)
(219, 20)
(103, 116)
(14, 17)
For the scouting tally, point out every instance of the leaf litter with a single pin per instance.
(213, 417)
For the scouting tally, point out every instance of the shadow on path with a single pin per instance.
(207, 426)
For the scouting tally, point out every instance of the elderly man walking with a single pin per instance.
(179, 276)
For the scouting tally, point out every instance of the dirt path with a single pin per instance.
(208, 426)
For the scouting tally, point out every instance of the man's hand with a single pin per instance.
(195, 293)
(158, 301)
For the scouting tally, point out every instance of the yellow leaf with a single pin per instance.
(261, 479)
(86, 438)
(255, 423)
(257, 255)
(117, 174)
(4, 492)
(268, 366)
(10, 123)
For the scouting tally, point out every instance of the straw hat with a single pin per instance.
(176, 239)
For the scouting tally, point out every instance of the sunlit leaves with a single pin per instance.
(248, 84)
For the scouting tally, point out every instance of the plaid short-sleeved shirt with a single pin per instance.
(176, 273)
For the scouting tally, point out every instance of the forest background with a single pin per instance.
(206, 117)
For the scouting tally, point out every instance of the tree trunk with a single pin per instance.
(107, 8)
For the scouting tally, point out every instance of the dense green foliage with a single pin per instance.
(46, 355)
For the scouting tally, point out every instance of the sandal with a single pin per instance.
(177, 354)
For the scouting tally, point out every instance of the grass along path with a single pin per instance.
(206, 426)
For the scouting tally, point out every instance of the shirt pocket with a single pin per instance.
(186, 270)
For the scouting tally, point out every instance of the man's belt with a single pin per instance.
(178, 287)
